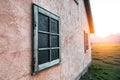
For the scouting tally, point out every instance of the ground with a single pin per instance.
(105, 64)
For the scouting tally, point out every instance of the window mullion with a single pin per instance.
(47, 32)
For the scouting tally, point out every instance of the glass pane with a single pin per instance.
(43, 56)
(54, 26)
(43, 40)
(54, 41)
(54, 54)
(43, 22)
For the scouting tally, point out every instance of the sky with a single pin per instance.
(106, 16)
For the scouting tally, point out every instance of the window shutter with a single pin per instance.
(86, 42)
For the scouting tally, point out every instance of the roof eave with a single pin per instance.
(89, 16)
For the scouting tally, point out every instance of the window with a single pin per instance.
(77, 1)
(86, 43)
(46, 51)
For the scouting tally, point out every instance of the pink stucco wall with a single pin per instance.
(16, 39)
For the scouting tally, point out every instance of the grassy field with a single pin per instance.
(105, 64)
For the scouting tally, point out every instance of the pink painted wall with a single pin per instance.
(15, 39)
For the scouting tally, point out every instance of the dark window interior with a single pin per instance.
(43, 56)
(54, 41)
(47, 40)
(43, 40)
(55, 54)
(43, 22)
(54, 26)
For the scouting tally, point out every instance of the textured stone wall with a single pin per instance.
(16, 39)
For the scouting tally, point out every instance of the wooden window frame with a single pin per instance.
(86, 42)
(35, 66)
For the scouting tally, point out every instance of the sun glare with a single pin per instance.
(102, 33)
(106, 17)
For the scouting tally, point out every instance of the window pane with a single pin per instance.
(54, 41)
(43, 40)
(54, 54)
(43, 56)
(43, 22)
(54, 26)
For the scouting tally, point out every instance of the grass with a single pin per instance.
(106, 63)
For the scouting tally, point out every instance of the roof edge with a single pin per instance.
(89, 15)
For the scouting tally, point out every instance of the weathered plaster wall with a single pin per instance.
(15, 39)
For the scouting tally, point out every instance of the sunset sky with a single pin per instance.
(106, 16)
